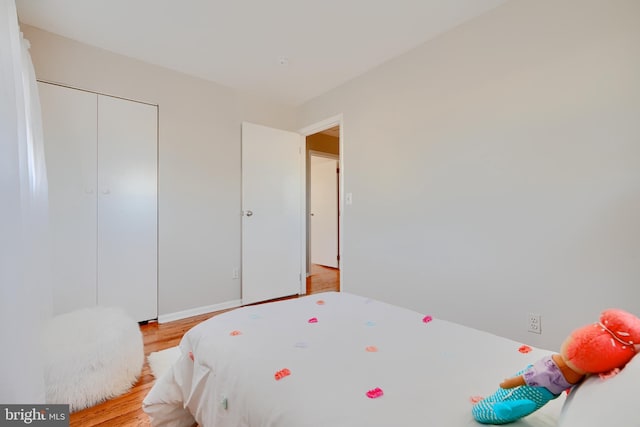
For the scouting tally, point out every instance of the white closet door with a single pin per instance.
(127, 206)
(69, 123)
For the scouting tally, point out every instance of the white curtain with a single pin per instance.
(25, 289)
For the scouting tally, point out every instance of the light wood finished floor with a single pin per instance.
(126, 410)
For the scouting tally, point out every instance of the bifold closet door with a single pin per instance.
(127, 206)
(69, 122)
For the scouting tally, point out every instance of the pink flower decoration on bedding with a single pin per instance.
(372, 349)
(320, 302)
(282, 373)
(313, 320)
(427, 319)
(524, 349)
(375, 393)
(191, 356)
(475, 399)
(235, 333)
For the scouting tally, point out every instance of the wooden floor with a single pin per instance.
(323, 279)
(126, 410)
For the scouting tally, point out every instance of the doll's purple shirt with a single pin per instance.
(545, 373)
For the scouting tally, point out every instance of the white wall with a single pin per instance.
(199, 161)
(495, 170)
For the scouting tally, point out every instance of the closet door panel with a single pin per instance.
(69, 125)
(127, 206)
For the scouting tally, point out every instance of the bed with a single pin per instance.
(335, 360)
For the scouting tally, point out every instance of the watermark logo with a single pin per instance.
(34, 415)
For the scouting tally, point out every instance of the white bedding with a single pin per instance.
(427, 371)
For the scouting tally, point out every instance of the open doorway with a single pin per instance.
(323, 208)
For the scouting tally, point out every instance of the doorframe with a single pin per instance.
(337, 120)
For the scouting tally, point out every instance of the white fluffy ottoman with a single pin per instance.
(91, 355)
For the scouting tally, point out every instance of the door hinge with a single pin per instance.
(338, 257)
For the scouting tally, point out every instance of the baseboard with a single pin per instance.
(178, 315)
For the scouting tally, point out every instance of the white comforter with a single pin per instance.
(337, 347)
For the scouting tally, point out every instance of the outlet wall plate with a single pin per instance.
(535, 323)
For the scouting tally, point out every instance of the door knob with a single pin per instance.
(249, 213)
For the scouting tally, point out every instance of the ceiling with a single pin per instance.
(289, 51)
(333, 132)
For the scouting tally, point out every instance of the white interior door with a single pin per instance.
(69, 122)
(272, 185)
(127, 206)
(324, 211)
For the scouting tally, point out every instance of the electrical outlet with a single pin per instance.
(535, 323)
(348, 198)
(235, 274)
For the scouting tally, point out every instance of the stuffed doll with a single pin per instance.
(598, 348)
